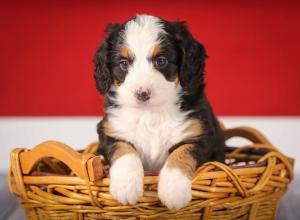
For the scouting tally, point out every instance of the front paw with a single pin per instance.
(127, 177)
(174, 188)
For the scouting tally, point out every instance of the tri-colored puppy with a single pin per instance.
(151, 73)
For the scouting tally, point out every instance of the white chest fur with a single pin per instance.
(152, 133)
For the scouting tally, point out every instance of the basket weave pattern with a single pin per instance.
(79, 189)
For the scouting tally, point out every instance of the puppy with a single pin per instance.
(151, 74)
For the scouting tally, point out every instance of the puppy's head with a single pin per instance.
(149, 62)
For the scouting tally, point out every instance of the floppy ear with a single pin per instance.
(193, 55)
(102, 74)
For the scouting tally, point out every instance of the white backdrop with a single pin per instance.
(77, 132)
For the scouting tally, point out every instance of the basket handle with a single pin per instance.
(65, 154)
(246, 132)
(255, 136)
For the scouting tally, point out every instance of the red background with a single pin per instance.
(47, 49)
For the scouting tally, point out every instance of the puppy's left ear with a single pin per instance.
(193, 55)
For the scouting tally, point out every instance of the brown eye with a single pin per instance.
(160, 62)
(124, 64)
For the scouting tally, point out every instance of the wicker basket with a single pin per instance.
(53, 181)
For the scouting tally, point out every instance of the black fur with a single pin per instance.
(192, 57)
(102, 59)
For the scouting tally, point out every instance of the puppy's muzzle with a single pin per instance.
(143, 95)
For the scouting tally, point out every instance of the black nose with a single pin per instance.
(143, 95)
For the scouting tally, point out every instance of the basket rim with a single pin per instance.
(229, 149)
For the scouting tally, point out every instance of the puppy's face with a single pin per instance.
(148, 62)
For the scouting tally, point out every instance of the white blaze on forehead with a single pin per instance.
(142, 33)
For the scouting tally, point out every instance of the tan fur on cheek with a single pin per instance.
(117, 83)
(176, 81)
(195, 128)
(122, 148)
(181, 158)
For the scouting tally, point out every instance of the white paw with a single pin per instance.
(127, 175)
(174, 188)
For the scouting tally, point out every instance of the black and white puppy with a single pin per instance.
(150, 72)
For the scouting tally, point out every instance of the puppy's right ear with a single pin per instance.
(102, 74)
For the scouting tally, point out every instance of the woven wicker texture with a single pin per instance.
(248, 186)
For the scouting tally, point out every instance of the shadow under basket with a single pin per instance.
(52, 181)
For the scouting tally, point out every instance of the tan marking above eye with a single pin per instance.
(126, 53)
(155, 50)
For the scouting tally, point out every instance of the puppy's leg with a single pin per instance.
(175, 180)
(126, 173)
